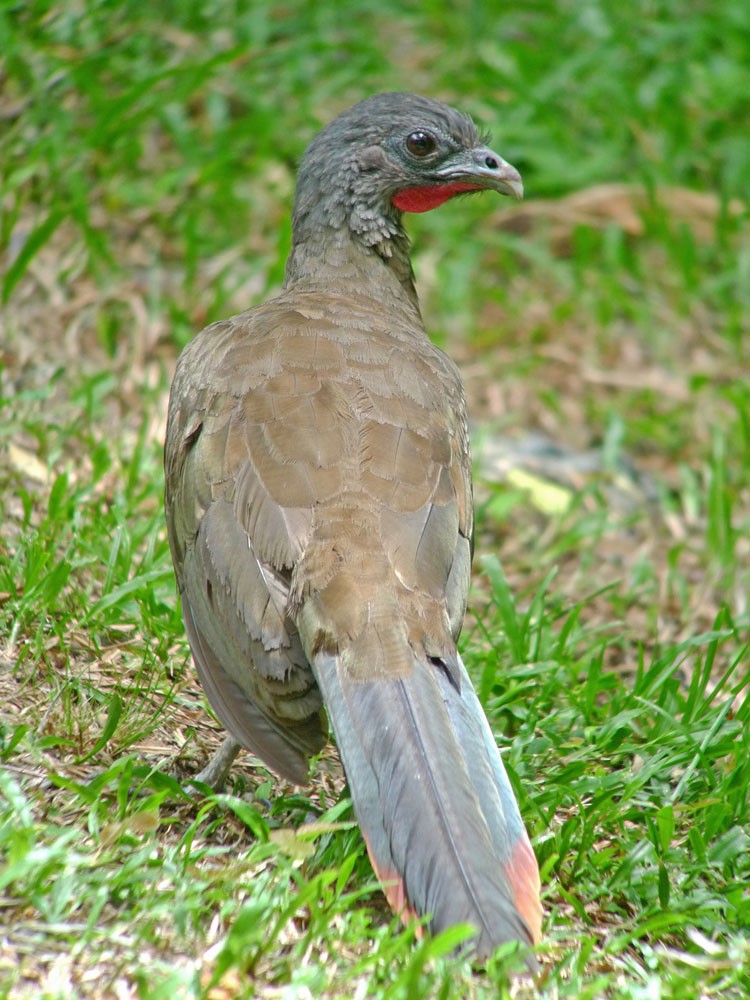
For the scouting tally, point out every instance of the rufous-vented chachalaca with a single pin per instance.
(319, 506)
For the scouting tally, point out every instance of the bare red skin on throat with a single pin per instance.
(424, 199)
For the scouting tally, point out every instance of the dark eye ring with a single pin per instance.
(420, 144)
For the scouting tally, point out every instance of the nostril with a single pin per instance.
(491, 163)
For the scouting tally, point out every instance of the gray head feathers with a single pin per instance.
(353, 167)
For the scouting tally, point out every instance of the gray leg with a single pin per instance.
(215, 772)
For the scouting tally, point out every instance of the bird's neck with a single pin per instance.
(335, 259)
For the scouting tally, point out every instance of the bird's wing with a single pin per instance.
(234, 545)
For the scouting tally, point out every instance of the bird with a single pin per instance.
(319, 511)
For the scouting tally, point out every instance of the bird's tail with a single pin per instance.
(433, 800)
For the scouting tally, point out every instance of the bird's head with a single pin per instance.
(394, 153)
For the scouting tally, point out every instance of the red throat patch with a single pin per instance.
(424, 199)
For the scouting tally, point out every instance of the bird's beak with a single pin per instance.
(485, 170)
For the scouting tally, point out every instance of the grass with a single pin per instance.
(147, 165)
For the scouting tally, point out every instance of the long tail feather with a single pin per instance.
(433, 800)
(480, 751)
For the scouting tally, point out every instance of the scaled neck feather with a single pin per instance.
(336, 261)
(346, 234)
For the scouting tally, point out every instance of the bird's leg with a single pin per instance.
(214, 774)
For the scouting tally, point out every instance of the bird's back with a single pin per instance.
(327, 435)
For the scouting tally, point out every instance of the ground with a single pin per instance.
(602, 330)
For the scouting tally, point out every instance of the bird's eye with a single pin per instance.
(420, 143)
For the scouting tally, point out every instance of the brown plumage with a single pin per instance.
(319, 506)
